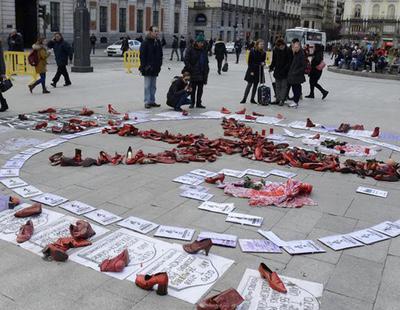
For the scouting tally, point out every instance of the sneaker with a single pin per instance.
(147, 106)
(293, 105)
(155, 105)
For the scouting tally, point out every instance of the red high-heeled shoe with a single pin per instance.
(375, 133)
(147, 282)
(242, 111)
(272, 278)
(227, 300)
(104, 158)
(309, 123)
(225, 111)
(214, 180)
(250, 118)
(111, 110)
(86, 112)
(41, 125)
(53, 117)
(197, 246)
(117, 263)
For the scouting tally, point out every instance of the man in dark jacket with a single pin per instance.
(15, 42)
(179, 91)
(62, 52)
(182, 47)
(93, 41)
(296, 72)
(174, 46)
(151, 56)
(220, 53)
(196, 62)
(3, 102)
(238, 49)
(280, 65)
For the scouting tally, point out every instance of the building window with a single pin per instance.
(357, 11)
(306, 24)
(139, 25)
(375, 10)
(54, 16)
(222, 19)
(249, 22)
(229, 19)
(93, 16)
(155, 18)
(391, 14)
(122, 20)
(176, 23)
(103, 19)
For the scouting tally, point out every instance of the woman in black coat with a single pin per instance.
(255, 70)
(316, 72)
(196, 63)
(4, 105)
(296, 72)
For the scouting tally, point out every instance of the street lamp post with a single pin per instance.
(81, 38)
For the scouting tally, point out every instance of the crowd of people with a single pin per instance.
(366, 58)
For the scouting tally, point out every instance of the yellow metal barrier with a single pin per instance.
(17, 64)
(131, 60)
(268, 58)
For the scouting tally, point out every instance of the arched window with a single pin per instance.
(375, 11)
(391, 12)
(357, 11)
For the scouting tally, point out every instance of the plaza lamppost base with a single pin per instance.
(81, 69)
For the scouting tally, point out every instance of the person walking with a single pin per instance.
(42, 54)
(281, 58)
(93, 41)
(296, 72)
(62, 52)
(210, 46)
(175, 48)
(317, 65)
(124, 45)
(182, 47)
(3, 101)
(196, 63)
(238, 49)
(151, 57)
(220, 53)
(15, 42)
(255, 70)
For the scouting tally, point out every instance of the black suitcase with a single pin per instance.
(264, 95)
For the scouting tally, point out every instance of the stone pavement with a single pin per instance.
(357, 279)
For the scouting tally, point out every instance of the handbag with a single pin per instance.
(321, 66)
(225, 67)
(5, 85)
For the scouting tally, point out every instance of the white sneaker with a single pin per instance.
(293, 105)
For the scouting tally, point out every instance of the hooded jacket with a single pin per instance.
(43, 54)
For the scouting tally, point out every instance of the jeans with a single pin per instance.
(174, 51)
(93, 49)
(61, 70)
(183, 100)
(182, 50)
(296, 88)
(197, 92)
(41, 80)
(150, 88)
(281, 89)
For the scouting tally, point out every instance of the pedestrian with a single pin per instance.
(196, 63)
(238, 49)
(124, 45)
(255, 70)
(151, 56)
(175, 48)
(15, 42)
(220, 53)
(280, 66)
(182, 47)
(3, 101)
(317, 65)
(296, 72)
(210, 46)
(93, 41)
(179, 92)
(42, 54)
(62, 52)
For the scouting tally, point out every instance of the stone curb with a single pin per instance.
(365, 74)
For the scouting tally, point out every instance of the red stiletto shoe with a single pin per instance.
(33, 210)
(225, 111)
(242, 111)
(309, 123)
(117, 159)
(272, 278)
(25, 232)
(104, 158)
(147, 282)
(197, 246)
(227, 300)
(375, 133)
(111, 110)
(214, 180)
(115, 264)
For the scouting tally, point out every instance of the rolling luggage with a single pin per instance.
(263, 92)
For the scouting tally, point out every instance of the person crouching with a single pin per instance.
(179, 92)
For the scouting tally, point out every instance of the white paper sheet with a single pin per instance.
(103, 217)
(77, 207)
(7, 173)
(283, 174)
(173, 232)
(340, 242)
(197, 195)
(137, 224)
(194, 188)
(219, 239)
(223, 208)
(233, 173)
(301, 295)
(49, 199)
(258, 246)
(368, 236)
(257, 173)
(388, 228)
(32, 151)
(27, 191)
(272, 237)
(204, 173)
(214, 114)
(13, 182)
(190, 179)
(50, 143)
(268, 120)
(14, 164)
(372, 191)
(302, 247)
(244, 219)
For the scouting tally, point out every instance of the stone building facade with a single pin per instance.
(283, 14)
(109, 19)
(372, 20)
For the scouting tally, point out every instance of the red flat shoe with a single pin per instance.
(251, 118)
(41, 125)
(25, 232)
(81, 230)
(111, 110)
(115, 264)
(33, 210)
(272, 278)
(243, 111)
(214, 180)
(197, 246)
(53, 117)
(257, 114)
(147, 282)
(56, 129)
(55, 159)
(86, 112)
(375, 133)
(309, 123)
(48, 110)
(225, 111)
(227, 300)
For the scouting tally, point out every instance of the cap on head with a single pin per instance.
(200, 37)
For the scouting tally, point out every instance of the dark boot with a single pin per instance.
(4, 105)
(45, 91)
